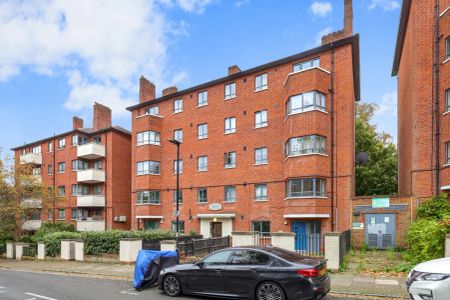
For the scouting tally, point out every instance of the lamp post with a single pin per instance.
(177, 198)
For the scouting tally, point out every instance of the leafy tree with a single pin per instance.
(22, 196)
(379, 175)
(437, 208)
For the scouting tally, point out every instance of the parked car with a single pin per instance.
(430, 280)
(253, 272)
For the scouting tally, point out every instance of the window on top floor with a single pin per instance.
(24, 151)
(36, 150)
(79, 140)
(61, 143)
(305, 187)
(306, 65)
(261, 82)
(148, 137)
(97, 139)
(154, 110)
(49, 146)
(230, 90)
(306, 145)
(178, 105)
(261, 118)
(178, 135)
(202, 98)
(306, 102)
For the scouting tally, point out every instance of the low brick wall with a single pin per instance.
(404, 208)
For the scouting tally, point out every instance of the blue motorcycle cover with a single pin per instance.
(149, 264)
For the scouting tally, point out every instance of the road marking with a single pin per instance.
(31, 298)
(386, 282)
(129, 292)
(39, 296)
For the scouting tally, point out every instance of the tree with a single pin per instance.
(22, 196)
(379, 175)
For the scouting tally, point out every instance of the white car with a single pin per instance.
(430, 280)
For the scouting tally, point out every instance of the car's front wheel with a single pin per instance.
(172, 285)
(269, 291)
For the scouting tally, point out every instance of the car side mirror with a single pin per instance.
(200, 264)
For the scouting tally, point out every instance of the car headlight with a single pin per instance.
(431, 277)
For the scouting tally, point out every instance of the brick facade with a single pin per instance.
(414, 66)
(339, 64)
(105, 195)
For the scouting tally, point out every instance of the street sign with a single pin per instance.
(357, 225)
(176, 213)
(380, 202)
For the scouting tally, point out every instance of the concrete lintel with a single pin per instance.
(282, 234)
(244, 233)
(332, 233)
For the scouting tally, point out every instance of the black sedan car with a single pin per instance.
(262, 273)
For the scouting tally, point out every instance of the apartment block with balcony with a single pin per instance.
(89, 169)
(422, 66)
(266, 149)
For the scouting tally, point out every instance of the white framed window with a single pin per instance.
(61, 143)
(79, 190)
(447, 153)
(97, 139)
(148, 167)
(261, 156)
(36, 150)
(61, 191)
(202, 98)
(230, 125)
(50, 169)
(78, 165)
(97, 190)
(447, 47)
(79, 140)
(230, 194)
(306, 102)
(61, 214)
(148, 137)
(148, 197)
(202, 195)
(36, 171)
(261, 227)
(178, 167)
(447, 100)
(180, 226)
(178, 135)
(305, 187)
(261, 82)
(154, 111)
(309, 144)
(49, 214)
(202, 163)
(230, 160)
(260, 192)
(230, 90)
(306, 65)
(97, 165)
(261, 118)
(180, 199)
(178, 105)
(202, 131)
(61, 167)
(50, 147)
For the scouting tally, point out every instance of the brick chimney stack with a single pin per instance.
(77, 122)
(169, 90)
(233, 70)
(146, 90)
(102, 116)
(348, 17)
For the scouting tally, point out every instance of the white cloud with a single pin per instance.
(101, 47)
(321, 9)
(320, 34)
(385, 4)
(388, 104)
(240, 3)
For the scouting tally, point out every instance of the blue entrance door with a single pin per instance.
(307, 237)
(380, 230)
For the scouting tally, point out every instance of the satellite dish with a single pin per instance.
(362, 158)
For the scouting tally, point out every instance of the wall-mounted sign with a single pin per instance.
(215, 206)
(357, 225)
(380, 202)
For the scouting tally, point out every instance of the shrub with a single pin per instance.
(52, 241)
(437, 208)
(47, 228)
(426, 240)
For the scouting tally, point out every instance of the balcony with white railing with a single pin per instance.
(31, 225)
(90, 201)
(90, 224)
(91, 151)
(31, 158)
(91, 176)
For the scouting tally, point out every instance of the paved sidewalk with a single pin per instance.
(341, 283)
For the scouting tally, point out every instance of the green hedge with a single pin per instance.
(98, 242)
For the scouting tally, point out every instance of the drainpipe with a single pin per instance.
(54, 170)
(332, 140)
(436, 104)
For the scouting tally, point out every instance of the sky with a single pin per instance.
(58, 57)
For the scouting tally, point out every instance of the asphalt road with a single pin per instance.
(24, 285)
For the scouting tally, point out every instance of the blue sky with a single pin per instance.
(58, 57)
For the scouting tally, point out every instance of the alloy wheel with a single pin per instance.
(171, 286)
(270, 291)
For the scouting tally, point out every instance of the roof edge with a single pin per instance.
(404, 17)
(354, 40)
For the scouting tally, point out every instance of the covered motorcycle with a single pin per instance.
(149, 264)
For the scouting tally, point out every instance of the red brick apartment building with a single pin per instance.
(266, 149)
(422, 65)
(90, 169)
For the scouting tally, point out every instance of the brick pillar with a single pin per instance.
(447, 245)
(284, 240)
(77, 122)
(102, 116)
(129, 249)
(146, 90)
(332, 250)
(41, 251)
